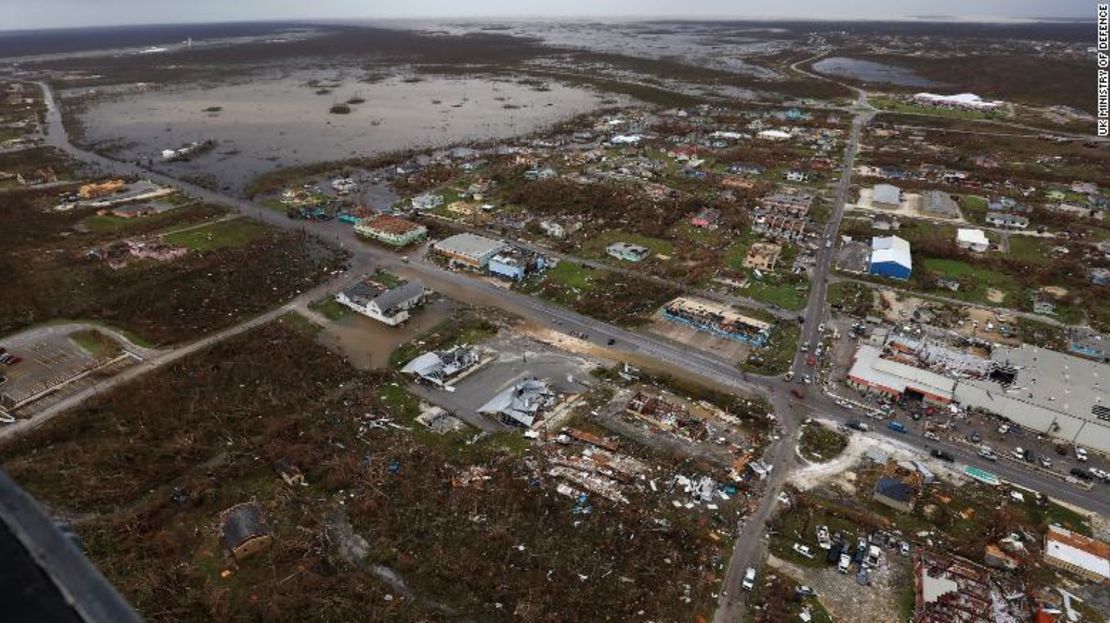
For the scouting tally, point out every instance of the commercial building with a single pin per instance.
(966, 101)
(1082, 555)
(872, 373)
(468, 250)
(627, 252)
(890, 257)
(972, 240)
(1045, 391)
(718, 320)
(389, 306)
(886, 197)
(391, 230)
(517, 263)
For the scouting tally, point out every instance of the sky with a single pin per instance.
(25, 14)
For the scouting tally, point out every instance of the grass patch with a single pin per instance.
(95, 343)
(819, 443)
(300, 324)
(329, 308)
(775, 358)
(233, 233)
(595, 247)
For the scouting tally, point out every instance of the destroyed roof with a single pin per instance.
(520, 402)
(241, 523)
(366, 292)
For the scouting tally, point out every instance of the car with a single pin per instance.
(749, 579)
(610, 341)
(804, 591)
(1045, 460)
(858, 425)
(788, 376)
(975, 437)
(1081, 453)
(14, 360)
(5, 358)
(805, 348)
(821, 328)
(1003, 429)
(806, 379)
(1100, 474)
(987, 453)
(931, 435)
(3, 379)
(896, 426)
(904, 549)
(823, 539)
(942, 455)
(811, 360)
(1018, 453)
(873, 556)
(845, 563)
(803, 550)
(1081, 474)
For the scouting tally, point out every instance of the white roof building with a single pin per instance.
(961, 100)
(973, 239)
(774, 135)
(1077, 553)
(886, 195)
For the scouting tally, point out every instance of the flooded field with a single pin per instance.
(284, 120)
(368, 343)
(870, 71)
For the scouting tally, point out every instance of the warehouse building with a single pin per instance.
(871, 373)
(890, 257)
(468, 250)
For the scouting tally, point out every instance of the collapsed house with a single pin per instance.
(441, 368)
(523, 404)
(950, 589)
(244, 531)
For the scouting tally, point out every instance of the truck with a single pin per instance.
(897, 427)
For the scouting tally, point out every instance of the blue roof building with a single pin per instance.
(890, 257)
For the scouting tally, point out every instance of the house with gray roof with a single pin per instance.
(388, 305)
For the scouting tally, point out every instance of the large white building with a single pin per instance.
(972, 239)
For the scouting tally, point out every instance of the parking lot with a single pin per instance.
(518, 357)
(50, 359)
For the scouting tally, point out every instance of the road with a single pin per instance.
(667, 354)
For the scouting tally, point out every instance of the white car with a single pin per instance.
(932, 436)
(1003, 429)
(1081, 453)
(821, 328)
(823, 539)
(749, 579)
(1100, 474)
(803, 550)
(845, 564)
(1018, 453)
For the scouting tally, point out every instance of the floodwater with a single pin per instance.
(870, 71)
(368, 343)
(280, 120)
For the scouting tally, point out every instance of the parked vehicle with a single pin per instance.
(803, 550)
(823, 540)
(1045, 461)
(1081, 474)
(1081, 453)
(975, 437)
(1003, 429)
(749, 579)
(942, 455)
(811, 360)
(987, 453)
(845, 563)
(858, 425)
(897, 427)
(931, 435)
(1100, 474)
(804, 591)
(904, 548)
(610, 341)
(1018, 453)
(788, 376)
(873, 556)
